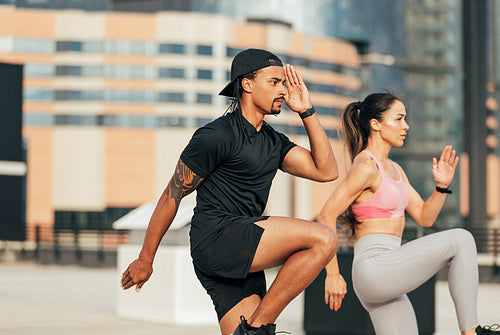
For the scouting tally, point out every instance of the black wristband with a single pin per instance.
(443, 190)
(307, 113)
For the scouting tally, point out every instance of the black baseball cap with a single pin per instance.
(248, 61)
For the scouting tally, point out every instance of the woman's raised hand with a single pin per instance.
(444, 169)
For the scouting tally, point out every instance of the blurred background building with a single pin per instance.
(114, 89)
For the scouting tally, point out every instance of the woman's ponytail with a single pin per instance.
(354, 135)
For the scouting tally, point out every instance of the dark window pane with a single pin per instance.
(204, 98)
(204, 74)
(205, 50)
(172, 48)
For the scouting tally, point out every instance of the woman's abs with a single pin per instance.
(391, 226)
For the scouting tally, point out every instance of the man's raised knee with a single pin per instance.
(327, 241)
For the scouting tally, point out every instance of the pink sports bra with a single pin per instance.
(389, 201)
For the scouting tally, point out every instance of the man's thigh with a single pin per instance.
(284, 236)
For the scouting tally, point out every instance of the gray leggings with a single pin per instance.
(383, 272)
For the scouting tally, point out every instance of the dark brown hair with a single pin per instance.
(238, 91)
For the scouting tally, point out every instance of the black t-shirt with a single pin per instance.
(238, 164)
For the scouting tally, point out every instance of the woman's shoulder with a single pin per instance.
(400, 169)
(364, 165)
(364, 160)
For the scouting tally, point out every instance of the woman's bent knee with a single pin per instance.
(459, 240)
(463, 237)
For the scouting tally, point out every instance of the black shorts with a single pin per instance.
(227, 292)
(223, 260)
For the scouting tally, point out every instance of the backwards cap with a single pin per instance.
(248, 61)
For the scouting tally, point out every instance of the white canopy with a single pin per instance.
(138, 219)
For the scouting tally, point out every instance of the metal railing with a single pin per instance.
(488, 243)
(487, 240)
(77, 241)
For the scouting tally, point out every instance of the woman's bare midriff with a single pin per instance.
(391, 226)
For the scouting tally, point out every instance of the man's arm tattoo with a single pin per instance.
(184, 182)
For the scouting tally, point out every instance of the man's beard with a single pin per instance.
(275, 111)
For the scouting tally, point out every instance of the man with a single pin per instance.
(231, 162)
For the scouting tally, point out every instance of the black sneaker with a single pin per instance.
(493, 329)
(245, 329)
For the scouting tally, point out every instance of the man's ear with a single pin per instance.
(247, 85)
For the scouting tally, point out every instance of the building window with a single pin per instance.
(76, 120)
(74, 46)
(204, 74)
(38, 70)
(170, 121)
(298, 61)
(118, 71)
(323, 110)
(89, 220)
(172, 48)
(92, 71)
(172, 73)
(33, 45)
(130, 72)
(37, 120)
(325, 66)
(67, 95)
(205, 50)
(203, 98)
(323, 88)
(119, 47)
(68, 70)
(150, 48)
(143, 48)
(151, 72)
(31, 94)
(63, 95)
(129, 121)
(137, 72)
(118, 96)
(93, 46)
(171, 97)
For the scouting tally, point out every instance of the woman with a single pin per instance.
(374, 196)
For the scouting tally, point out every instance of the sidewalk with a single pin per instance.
(70, 300)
